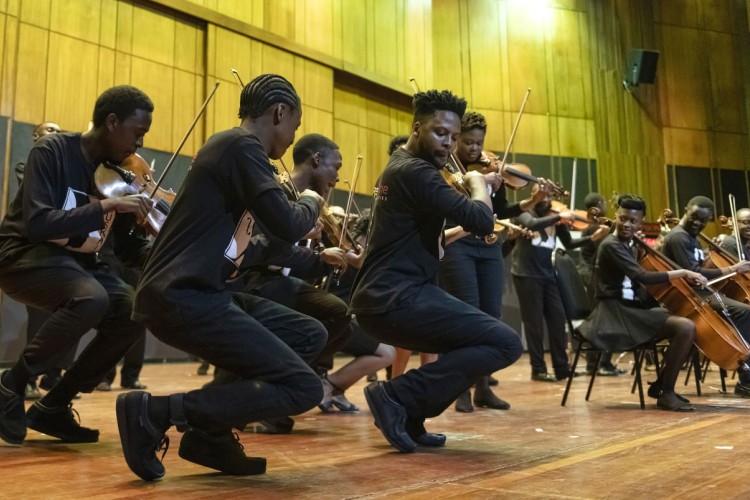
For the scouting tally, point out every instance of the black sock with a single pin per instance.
(61, 395)
(16, 378)
(158, 411)
(415, 428)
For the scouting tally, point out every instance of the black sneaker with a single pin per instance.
(276, 425)
(140, 438)
(224, 453)
(62, 423)
(12, 417)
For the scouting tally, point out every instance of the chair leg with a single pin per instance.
(572, 373)
(705, 366)
(723, 376)
(637, 359)
(696, 361)
(638, 363)
(593, 375)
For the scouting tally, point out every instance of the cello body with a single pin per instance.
(716, 335)
(737, 287)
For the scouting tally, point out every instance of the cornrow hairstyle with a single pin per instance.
(632, 202)
(701, 201)
(310, 144)
(428, 103)
(123, 101)
(593, 200)
(472, 120)
(397, 142)
(362, 225)
(265, 91)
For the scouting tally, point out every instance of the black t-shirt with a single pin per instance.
(617, 273)
(679, 246)
(56, 208)
(405, 243)
(225, 218)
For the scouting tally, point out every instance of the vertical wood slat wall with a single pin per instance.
(58, 55)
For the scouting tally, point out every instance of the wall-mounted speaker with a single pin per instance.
(641, 67)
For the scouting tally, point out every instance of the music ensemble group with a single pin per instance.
(227, 278)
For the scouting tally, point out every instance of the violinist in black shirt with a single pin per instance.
(229, 209)
(396, 298)
(49, 241)
(621, 320)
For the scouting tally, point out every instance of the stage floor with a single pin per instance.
(605, 448)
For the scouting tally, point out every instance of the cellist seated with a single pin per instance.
(681, 245)
(620, 321)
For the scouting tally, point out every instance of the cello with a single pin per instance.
(716, 335)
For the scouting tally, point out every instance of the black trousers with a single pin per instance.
(540, 303)
(265, 343)
(37, 317)
(302, 297)
(472, 344)
(78, 299)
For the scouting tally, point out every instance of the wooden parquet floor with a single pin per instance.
(604, 448)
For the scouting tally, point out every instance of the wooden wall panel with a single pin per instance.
(36, 13)
(31, 72)
(76, 18)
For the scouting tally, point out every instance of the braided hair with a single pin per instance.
(123, 101)
(472, 120)
(428, 103)
(265, 91)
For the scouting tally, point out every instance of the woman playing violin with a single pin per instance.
(621, 321)
(536, 287)
(473, 270)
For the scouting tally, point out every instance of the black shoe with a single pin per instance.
(12, 417)
(136, 384)
(62, 423)
(493, 381)
(203, 368)
(463, 403)
(47, 382)
(672, 401)
(654, 389)
(390, 417)
(610, 371)
(742, 390)
(223, 453)
(276, 425)
(430, 439)
(32, 393)
(543, 377)
(491, 401)
(140, 438)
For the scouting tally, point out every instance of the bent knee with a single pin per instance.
(307, 392)
(90, 305)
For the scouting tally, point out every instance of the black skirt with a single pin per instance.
(614, 326)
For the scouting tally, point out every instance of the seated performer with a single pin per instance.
(681, 245)
(396, 298)
(229, 208)
(48, 259)
(729, 242)
(620, 321)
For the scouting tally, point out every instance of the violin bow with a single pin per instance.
(515, 128)
(359, 212)
(736, 227)
(184, 140)
(237, 78)
(348, 210)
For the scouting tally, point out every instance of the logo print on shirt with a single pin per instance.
(243, 237)
(698, 254)
(95, 239)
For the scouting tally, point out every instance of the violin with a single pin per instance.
(453, 172)
(716, 335)
(504, 225)
(135, 176)
(582, 219)
(515, 175)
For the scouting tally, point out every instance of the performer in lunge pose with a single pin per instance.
(621, 321)
(227, 212)
(396, 298)
(48, 260)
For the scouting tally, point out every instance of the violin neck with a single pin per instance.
(512, 171)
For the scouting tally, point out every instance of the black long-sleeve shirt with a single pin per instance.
(405, 243)
(679, 246)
